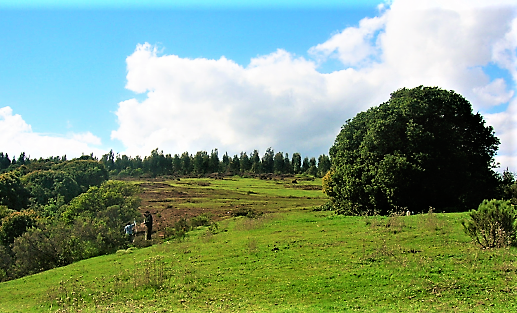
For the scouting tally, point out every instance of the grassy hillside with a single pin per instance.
(291, 259)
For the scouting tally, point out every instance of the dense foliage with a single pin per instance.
(422, 148)
(509, 187)
(54, 212)
(492, 225)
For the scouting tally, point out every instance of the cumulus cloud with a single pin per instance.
(354, 45)
(201, 104)
(17, 136)
(505, 124)
(87, 138)
(284, 101)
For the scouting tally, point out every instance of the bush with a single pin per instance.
(60, 244)
(200, 220)
(15, 224)
(115, 200)
(248, 212)
(6, 261)
(509, 187)
(180, 229)
(493, 224)
(327, 206)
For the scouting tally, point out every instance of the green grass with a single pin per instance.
(295, 260)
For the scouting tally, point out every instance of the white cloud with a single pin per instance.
(202, 104)
(505, 124)
(504, 51)
(495, 93)
(353, 46)
(87, 138)
(17, 136)
(283, 101)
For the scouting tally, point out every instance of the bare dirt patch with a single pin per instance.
(171, 199)
(164, 202)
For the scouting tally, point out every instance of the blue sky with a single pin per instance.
(86, 76)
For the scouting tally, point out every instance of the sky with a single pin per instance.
(81, 77)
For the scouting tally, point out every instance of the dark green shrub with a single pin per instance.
(6, 262)
(15, 224)
(179, 230)
(248, 212)
(324, 207)
(35, 251)
(200, 220)
(13, 193)
(45, 185)
(509, 187)
(141, 242)
(492, 225)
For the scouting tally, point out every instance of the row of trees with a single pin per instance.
(6, 162)
(203, 163)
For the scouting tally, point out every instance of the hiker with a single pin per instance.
(129, 229)
(148, 221)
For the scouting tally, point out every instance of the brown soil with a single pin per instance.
(159, 200)
(169, 203)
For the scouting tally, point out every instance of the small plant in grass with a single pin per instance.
(248, 212)
(179, 230)
(252, 246)
(140, 242)
(204, 220)
(492, 225)
(430, 221)
(324, 207)
(200, 220)
(152, 273)
(395, 221)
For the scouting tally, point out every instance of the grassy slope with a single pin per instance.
(293, 261)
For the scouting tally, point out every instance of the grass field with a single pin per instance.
(291, 259)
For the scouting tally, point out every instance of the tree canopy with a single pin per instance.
(422, 148)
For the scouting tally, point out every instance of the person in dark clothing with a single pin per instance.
(148, 221)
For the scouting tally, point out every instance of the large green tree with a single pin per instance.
(422, 148)
(85, 172)
(44, 185)
(114, 202)
(12, 192)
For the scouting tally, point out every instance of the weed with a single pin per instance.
(141, 242)
(373, 221)
(248, 224)
(152, 273)
(208, 236)
(430, 221)
(395, 222)
(183, 226)
(252, 246)
(200, 220)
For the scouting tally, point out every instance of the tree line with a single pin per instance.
(203, 163)
(185, 164)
